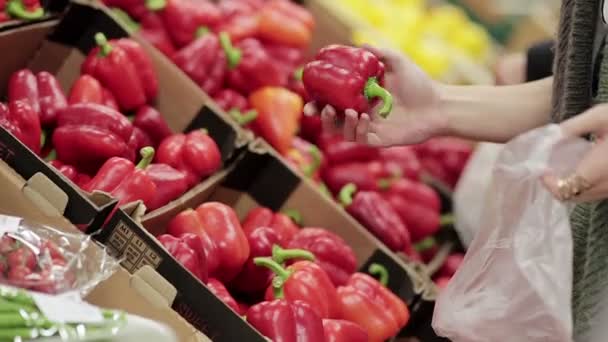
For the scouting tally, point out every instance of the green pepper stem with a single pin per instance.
(315, 155)
(147, 154)
(233, 55)
(346, 194)
(243, 119)
(373, 89)
(280, 255)
(425, 244)
(104, 46)
(281, 274)
(51, 156)
(201, 31)
(156, 5)
(298, 73)
(125, 19)
(294, 215)
(384, 183)
(380, 271)
(324, 190)
(447, 220)
(204, 131)
(17, 9)
(43, 136)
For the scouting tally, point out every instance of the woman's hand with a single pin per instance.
(415, 116)
(589, 182)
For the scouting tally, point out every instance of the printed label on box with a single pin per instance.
(124, 244)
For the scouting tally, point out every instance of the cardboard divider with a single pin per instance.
(24, 198)
(260, 178)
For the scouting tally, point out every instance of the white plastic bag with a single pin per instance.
(515, 282)
(471, 191)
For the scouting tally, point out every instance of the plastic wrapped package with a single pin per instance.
(516, 279)
(45, 259)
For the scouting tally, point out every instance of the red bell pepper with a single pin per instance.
(311, 126)
(19, 9)
(347, 77)
(150, 27)
(231, 8)
(170, 184)
(23, 86)
(204, 61)
(343, 331)
(360, 174)
(50, 97)
(377, 215)
(125, 181)
(281, 223)
(240, 26)
(405, 157)
(88, 134)
(451, 265)
(223, 227)
(278, 130)
(228, 99)
(138, 140)
(250, 66)
(152, 123)
(133, 8)
(86, 89)
(280, 320)
(254, 279)
(184, 17)
(70, 173)
(331, 252)
(4, 17)
(142, 63)
(195, 154)
(417, 192)
(303, 280)
(114, 67)
(184, 255)
(306, 157)
(288, 57)
(286, 23)
(23, 122)
(188, 222)
(220, 291)
(339, 151)
(368, 303)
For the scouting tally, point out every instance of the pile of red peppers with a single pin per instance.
(104, 135)
(290, 283)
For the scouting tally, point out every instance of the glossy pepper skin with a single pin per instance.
(331, 252)
(150, 27)
(305, 157)
(281, 320)
(220, 291)
(23, 87)
(184, 17)
(184, 255)
(50, 96)
(170, 184)
(339, 151)
(188, 222)
(4, 17)
(347, 78)
(250, 66)
(86, 89)
(239, 26)
(303, 280)
(151, 121)
(194, 153)
(142, 63)
(113, 66)
(204, 61)
(88, 134)
(223, 227)
(286, 23)
(337, 330)
(125, 181)
(358, 173)
(377, 215)
(253, 279)
(368, 303)
(228, 99)
(23, 122)
(279, 112)
(71, 173)
(281, 223)
(405, 158)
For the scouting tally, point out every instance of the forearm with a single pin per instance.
(496, 114)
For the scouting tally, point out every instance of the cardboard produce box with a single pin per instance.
(40, 200)
(61, 47)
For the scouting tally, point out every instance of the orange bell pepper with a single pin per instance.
(279, 112)
(283, 22)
